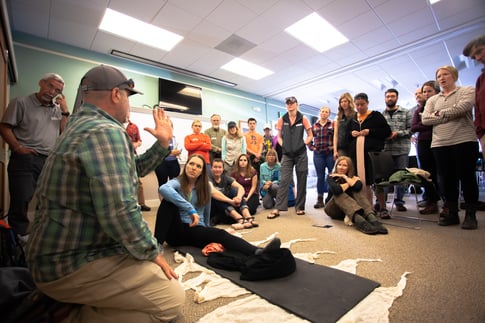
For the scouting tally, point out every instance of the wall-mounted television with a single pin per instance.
(179, 97)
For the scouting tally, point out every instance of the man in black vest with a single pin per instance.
(292, 127)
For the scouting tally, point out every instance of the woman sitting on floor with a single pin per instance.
(349, 198)
(230, 207)
(247, 176)
(269, 178)
(183, 217)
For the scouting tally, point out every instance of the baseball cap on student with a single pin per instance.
(106, 78)
(267, 126)
(291, 100)
(231, 124)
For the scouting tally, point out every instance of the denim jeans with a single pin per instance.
(323, 162)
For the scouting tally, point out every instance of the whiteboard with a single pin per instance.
(182, 126)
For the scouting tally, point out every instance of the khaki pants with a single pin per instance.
(118, 289)
(344, 204)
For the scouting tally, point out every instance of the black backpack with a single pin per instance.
(11, 251)
(268, 265)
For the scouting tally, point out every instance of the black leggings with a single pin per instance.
(169, 228)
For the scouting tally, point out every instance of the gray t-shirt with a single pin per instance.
(34, 125)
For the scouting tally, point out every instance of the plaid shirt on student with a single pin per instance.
(322, 137)
(400, 121)
(87, 198)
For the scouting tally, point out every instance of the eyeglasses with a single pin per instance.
(290, 100)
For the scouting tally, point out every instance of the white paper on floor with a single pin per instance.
(373, 308)
(250, 309)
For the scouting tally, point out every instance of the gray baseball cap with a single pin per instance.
(105, 78)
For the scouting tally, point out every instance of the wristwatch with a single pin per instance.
(66, 114)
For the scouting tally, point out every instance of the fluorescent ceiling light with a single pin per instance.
(139, 31)
(433, 1)
(317, 33)
(190, 91)
(247, 69)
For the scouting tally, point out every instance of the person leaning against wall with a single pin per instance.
(30, 126)
(89, 244)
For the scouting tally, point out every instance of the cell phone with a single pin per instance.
(326, 226)
(54, 99)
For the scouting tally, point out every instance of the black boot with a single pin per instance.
(451, 216)
(319, 203)
(470, 222)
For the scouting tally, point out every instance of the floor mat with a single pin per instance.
(316, 293)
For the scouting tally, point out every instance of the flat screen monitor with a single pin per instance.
(179, 97)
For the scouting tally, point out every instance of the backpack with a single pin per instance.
(268, 265)
(11, 251)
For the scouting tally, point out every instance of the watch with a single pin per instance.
(66, 114)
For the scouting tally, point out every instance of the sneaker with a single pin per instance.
(401, 208)
(379, 227)
(365, 227)
(145, 208)
(384, 214)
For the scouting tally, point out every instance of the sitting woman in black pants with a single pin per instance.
(183, 218)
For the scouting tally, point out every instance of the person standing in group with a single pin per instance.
(269, 179)
(89, 244)
(454, 145)
(247, 176)
(322, 147)
(475, 49)
(291, 136)
(170, 168)
(268, 140)
(198, 143)
(398, 144)
(341, 136)
(233, 145)
(215, 133)
(30, 126)
(254, 144)
(425, 153)
(134, 133)
(368, 130)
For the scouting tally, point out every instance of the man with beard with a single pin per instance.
(30, 126)
(216, 134)
(398, 143)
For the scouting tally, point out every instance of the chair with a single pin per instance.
(382, 167)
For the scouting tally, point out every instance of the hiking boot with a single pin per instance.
(431, 208)
(319, 203)
(365, 227)
(470, 222)
(384, 214)
(449, 219)
(381, 229)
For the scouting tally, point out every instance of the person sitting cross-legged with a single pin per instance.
(350, 200)
(228, 207)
